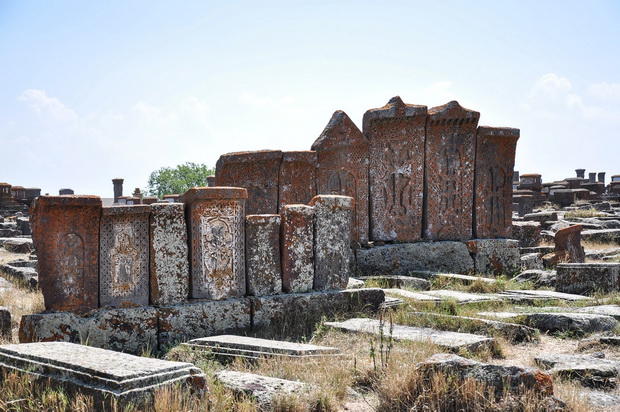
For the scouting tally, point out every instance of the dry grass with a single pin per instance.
(583, 213)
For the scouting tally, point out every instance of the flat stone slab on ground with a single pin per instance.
(254, 348)
(464, 279)
(355, 283)
(400, 282)
(391, 302)
(590, 370)
(412, 295)
(609, 310)
(98, 372)
(18, 245)
(602, 399)
(545, 294)
(560, 321)
(461, 297)
(448, 340)
(262, 388)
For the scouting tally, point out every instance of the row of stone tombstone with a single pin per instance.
(203, 248)
(415, 173)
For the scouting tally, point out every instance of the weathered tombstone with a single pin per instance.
(262, 255)
(211, 181)
(124, 256)
(396, 133)
(581, 173)
(563, 197)
(171, 198)
(257, 172)
(531, 181)
(592, 177)
(297, 245)
(495, 154)
(515, 176)
(149, 200)
(568, 240)
(64, 192)
(601, 177)
(297, 179)
(65, 231)
(449, 164)
(215, 218)
(342, 168)
(118, 188)
(169, 264)
(586, 278)
(332, 241)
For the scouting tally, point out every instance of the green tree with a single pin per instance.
(167, 180)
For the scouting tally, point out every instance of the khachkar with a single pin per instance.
(342, 168)
(449, 170)
(216, 220)
(65, 232)
(297, 179)
(258, 172)
(124, 256)
(396, 174)
(495, 154)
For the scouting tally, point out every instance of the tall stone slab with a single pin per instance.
(124, 256)
(396, 170)
(65, 231)
(258, 172)
(450, 155)
(169, 262)
(297, 180)
(332, 241)
(342, 168)
(262, 255)
(495, 157)
(216, 220)
(297, 245)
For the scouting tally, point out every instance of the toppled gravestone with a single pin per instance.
(399, 282)
(587, 278)
(590, 370)
(527, 233)
(540, 278)
(24, 270)
(494, 256)
(101, 373)
(18, 245)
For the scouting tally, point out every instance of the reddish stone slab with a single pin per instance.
(65, 231)
(262, 255)
(342, 168)
(568, 244)
(449, 163)
(216, 221)
(124, 256)
(169, 275)
(332, 241)
(297, 245)
(258, 172)
(495, 158)
(396, 170)
(297, 182)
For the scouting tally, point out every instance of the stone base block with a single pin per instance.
(495, 256)
(586, 278)
(403, 258)
(527, 233)
(132, 330)
(101, 373)
(181, 323)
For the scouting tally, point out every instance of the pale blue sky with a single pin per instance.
(90, 91)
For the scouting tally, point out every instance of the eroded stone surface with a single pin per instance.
(297, 178)
(169, 260)
(587, 278)
(396, 133)
(262, 255)
(65, 230)
(495, 154)
(590, 370)
(342, 168)
(495, 256)
(124, 256)
(399, 282)
(297, 242)
(450, 154)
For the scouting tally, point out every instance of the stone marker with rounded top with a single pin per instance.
(216, 223)
(262, 255)
(297, 245)
(65, 231)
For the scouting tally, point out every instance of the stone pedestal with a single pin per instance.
(124, 256)
(396, 133)
(342, 168)
(495, 256)
(297, 179)
(568, 240)
(65, 231)
(332, 241)
(297, 243)
(118, 188)
(216, 223)
(169, 259)
(262, 255)
(587, 278)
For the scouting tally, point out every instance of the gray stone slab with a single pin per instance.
(609, 310)
(355, 283)
(261, 388)
(461, 297)
(546, 294)
(412, 295)
(560, 321)
(254, 348)
(98, 372)
(391, 303)
(453, 341)
(590, 370)
(464, 279)
(399, 282)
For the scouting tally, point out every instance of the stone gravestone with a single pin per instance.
(396, 133)
(342, 168)
(450, 154)
(65, 231)
(169, 275)
(124, 256)
(568, 242)
(215, 218)
(495, 154)
(297, 245)
(297, 180)
(258, 172)
(262, 255)
(332, 241)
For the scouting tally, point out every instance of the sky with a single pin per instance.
(91, 91)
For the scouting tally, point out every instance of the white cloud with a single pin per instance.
(605, 91)
(47, 106)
